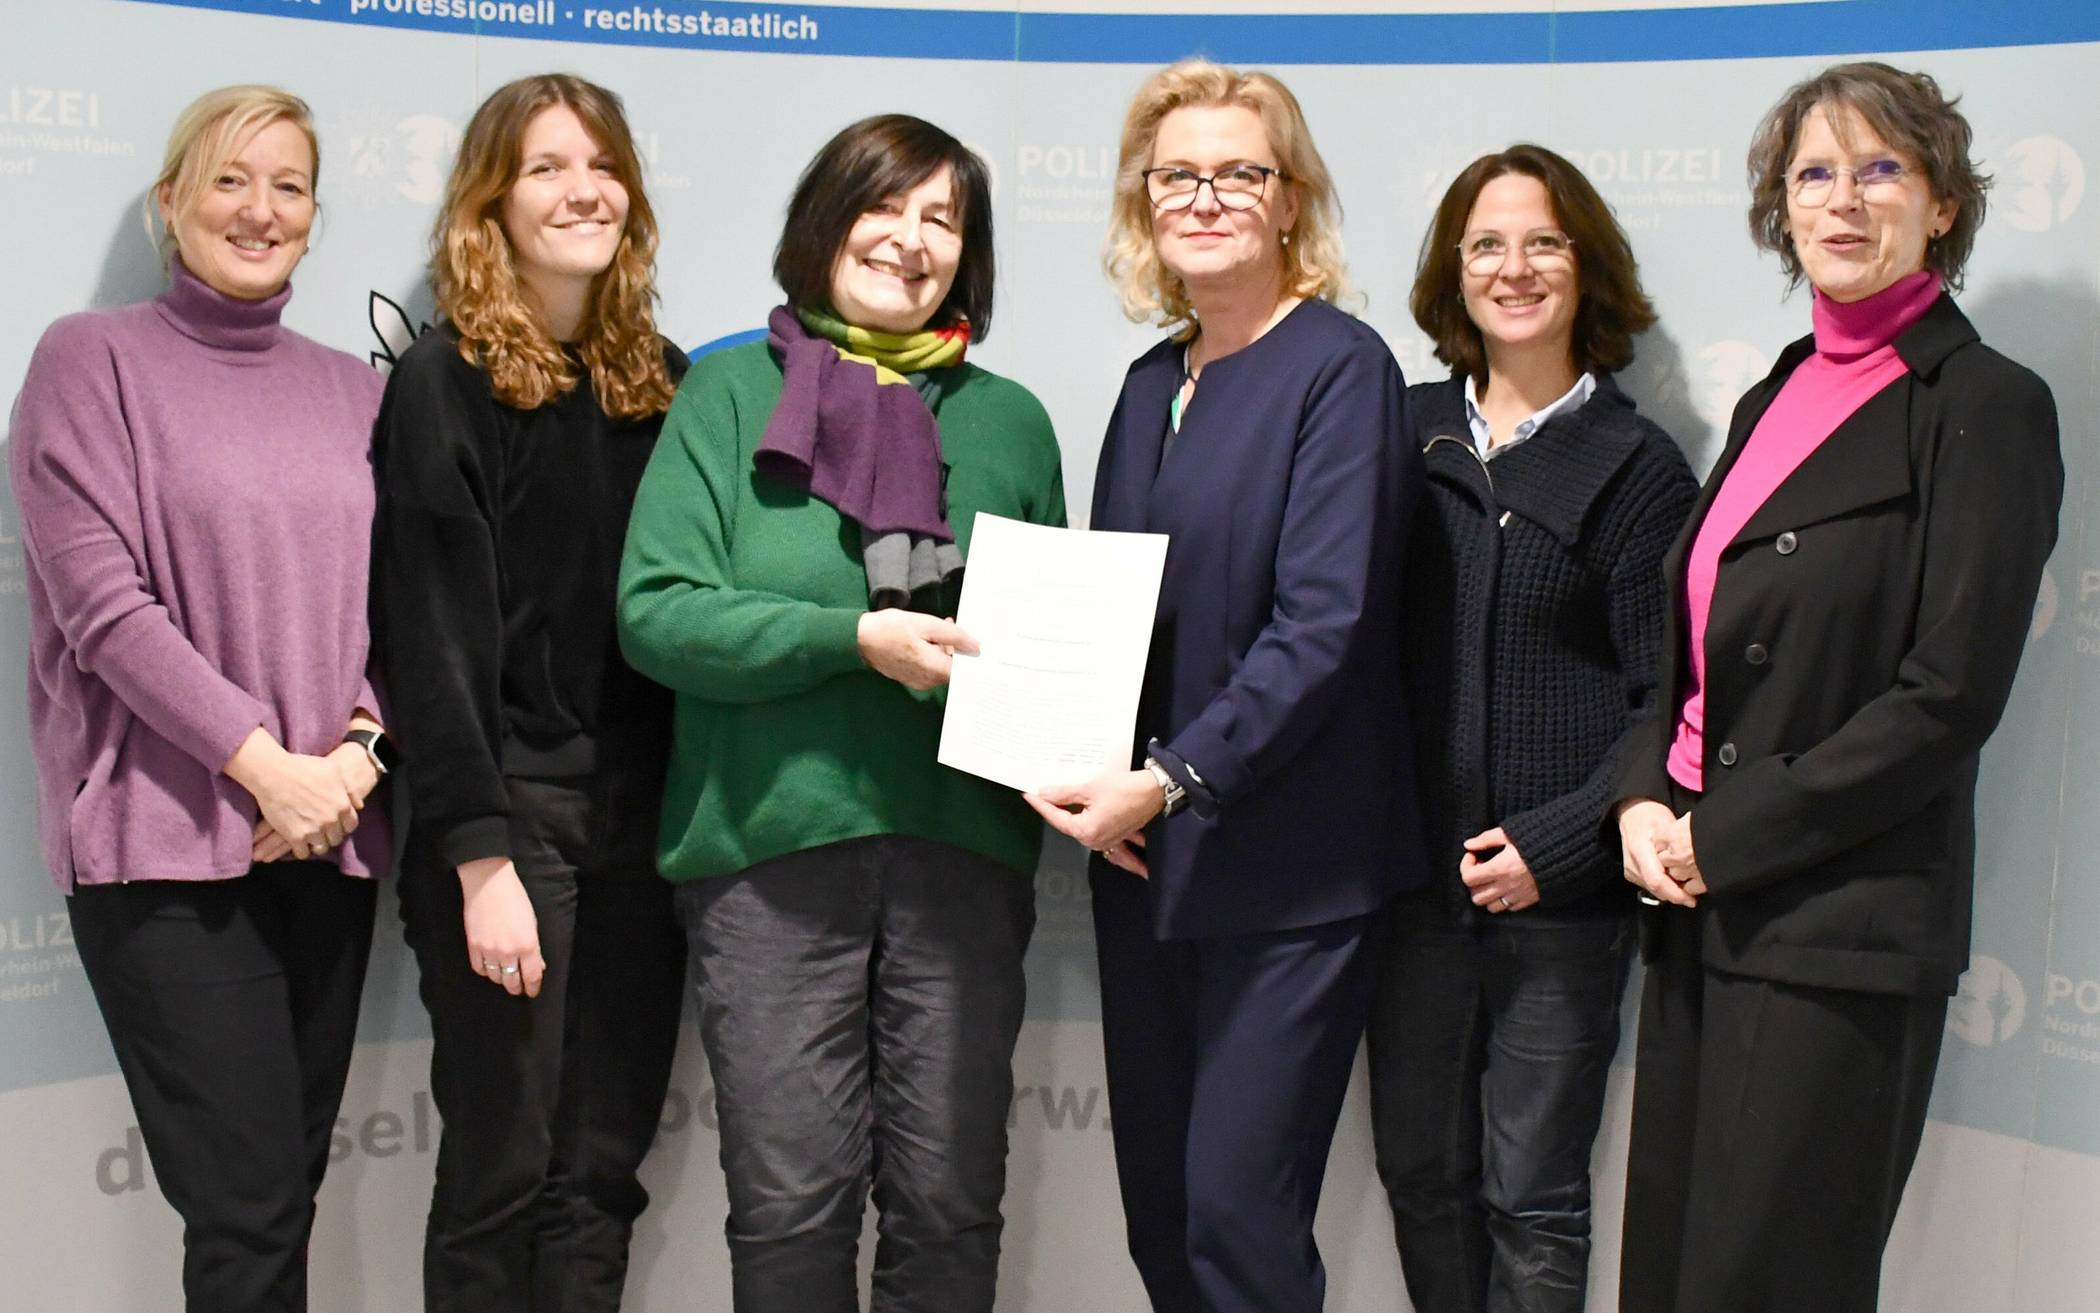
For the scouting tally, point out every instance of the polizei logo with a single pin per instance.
(1991, 1006)
(2041, 185)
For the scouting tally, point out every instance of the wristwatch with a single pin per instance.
(378, 747)
(1177, 796)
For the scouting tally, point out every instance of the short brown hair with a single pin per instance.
(475, 278)
(864, 165)
(1611, 308)
(1312, 258)
(1906, 110)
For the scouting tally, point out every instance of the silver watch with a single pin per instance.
(1177, 796)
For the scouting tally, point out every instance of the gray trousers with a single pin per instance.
(859, 1004)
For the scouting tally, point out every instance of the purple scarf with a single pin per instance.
(869, 447)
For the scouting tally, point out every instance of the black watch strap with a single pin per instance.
(378, 746)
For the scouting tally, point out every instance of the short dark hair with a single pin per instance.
(1612, 309)
(1906, 110)
(865, 164)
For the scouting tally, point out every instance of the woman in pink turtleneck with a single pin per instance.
(1854, 589)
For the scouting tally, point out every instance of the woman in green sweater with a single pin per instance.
(857, 912)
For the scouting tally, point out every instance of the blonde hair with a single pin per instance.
(475, 278)
(1312, 257)
(206, 136)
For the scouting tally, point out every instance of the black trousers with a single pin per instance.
(232, 1005)
(859, 1003)
(1490, 1046)
(1228, 1060)
(549, 1104)
(1774, 1127)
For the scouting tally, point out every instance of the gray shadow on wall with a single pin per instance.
(132, 269)
(1660, 382)
(2050, 328)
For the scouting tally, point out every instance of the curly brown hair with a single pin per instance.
(476, 281)
(1906, 110)
(1612, 308)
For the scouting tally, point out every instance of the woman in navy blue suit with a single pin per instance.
(1239, 867)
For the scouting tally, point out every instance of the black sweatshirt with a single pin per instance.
(1535, 601)
(496, 557)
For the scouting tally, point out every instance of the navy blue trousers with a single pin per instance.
(1228, 1060)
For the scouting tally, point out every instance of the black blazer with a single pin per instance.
(1274, 671)
(1865, 628)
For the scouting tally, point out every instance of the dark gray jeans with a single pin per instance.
(1489, 1048)
(859, 1004)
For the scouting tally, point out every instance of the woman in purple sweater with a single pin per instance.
(199, 707)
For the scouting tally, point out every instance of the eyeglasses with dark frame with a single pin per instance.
(1485, 253)
(1237, 187)
(1811, 184)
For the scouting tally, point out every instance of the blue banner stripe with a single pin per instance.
(725, 342)
(1835, 27)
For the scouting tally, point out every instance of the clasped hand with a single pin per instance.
(308, 804)
(1656, 853)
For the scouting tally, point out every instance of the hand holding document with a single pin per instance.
(1063, 623)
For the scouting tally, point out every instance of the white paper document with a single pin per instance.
(1063, 621)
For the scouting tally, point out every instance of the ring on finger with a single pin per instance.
(510, 968)
(1505, 903)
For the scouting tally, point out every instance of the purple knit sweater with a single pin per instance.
(196, 495)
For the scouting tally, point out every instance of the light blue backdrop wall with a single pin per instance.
(1655, 100)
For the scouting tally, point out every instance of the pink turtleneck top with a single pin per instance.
(196, 490)
(1855, 357)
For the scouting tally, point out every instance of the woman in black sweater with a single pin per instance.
(1535, 599)
(510, 444)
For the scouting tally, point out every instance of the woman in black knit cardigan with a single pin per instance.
(1535, 598)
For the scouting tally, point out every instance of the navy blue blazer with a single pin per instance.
(1274, 668)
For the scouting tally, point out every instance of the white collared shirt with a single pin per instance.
(1572, 399)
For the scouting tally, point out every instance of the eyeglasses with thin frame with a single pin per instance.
(1237, 187)
(1485, 253)
(1811, 184)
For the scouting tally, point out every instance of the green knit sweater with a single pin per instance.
(744, 596)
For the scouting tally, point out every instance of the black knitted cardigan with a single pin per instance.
(1535, 599)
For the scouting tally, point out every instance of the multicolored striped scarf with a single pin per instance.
(855, 427)
(895, 356)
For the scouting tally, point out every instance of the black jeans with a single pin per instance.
(1490, 1045)
(549, 1104)
(1774, 1127)
(1228, 1060)
(859, 1003)
(232, 1005)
